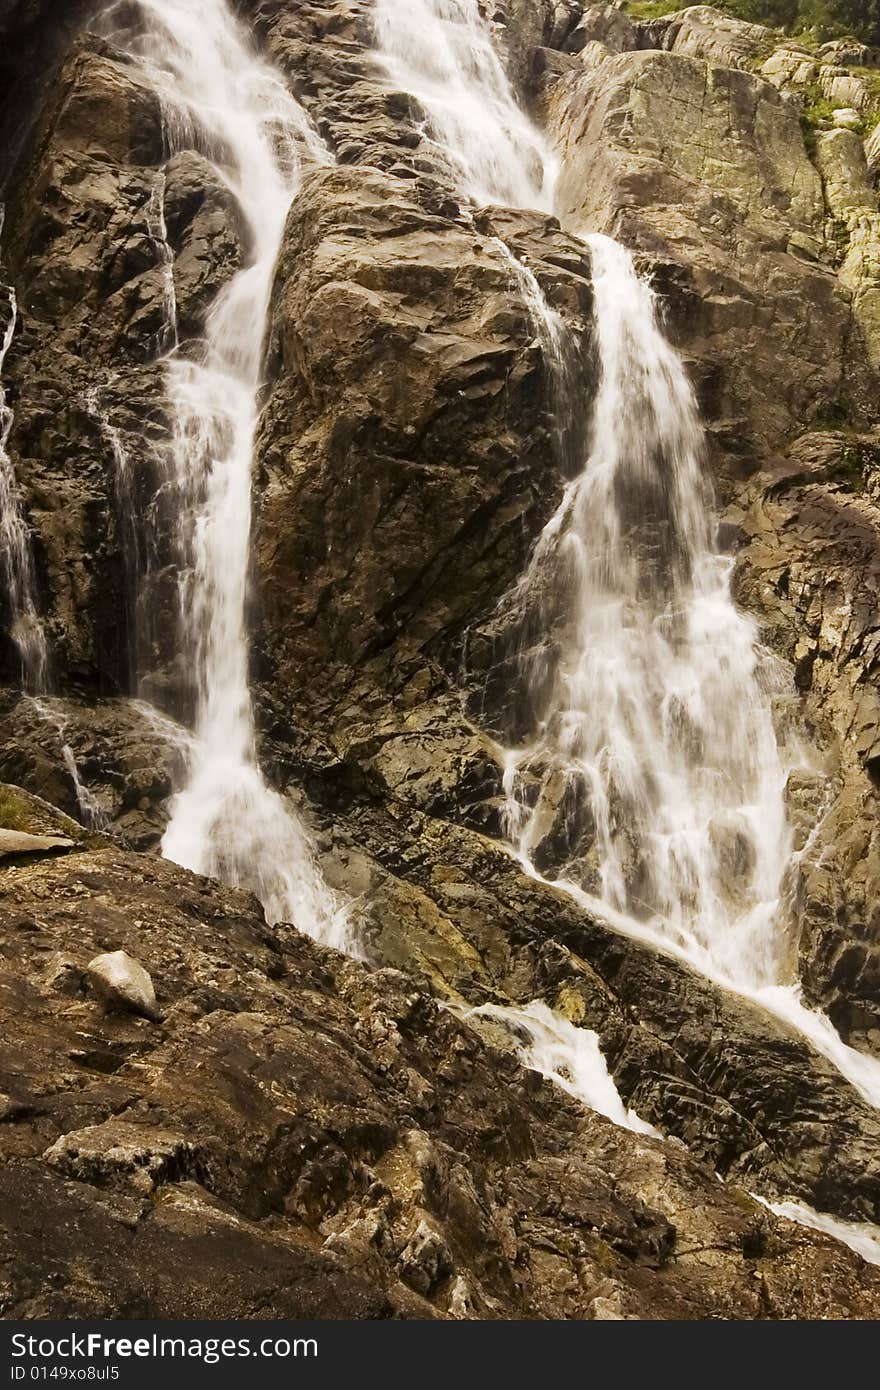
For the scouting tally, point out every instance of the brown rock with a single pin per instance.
(303, 1134)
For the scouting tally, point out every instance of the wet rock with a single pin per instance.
(202, 218)
(36, 37)
(387, 283)
(122, 762)
(23, 811)
(82, 236)
(734, 1083)
(720, 229)
(810, 565)
(425, 1260)
(317, 1138)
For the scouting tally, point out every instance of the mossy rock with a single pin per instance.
(31, 815)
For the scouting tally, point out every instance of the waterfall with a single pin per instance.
(442, 53)
(220, 97)
(652, 787)
(26, 629)
(861, 1237)
(655, 771)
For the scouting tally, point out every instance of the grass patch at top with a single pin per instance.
(652, 9)
(812, 22)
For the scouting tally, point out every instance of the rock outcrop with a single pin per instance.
(704, 169)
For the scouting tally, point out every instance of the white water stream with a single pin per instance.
(655, 749)
(442, 53)
(568, 1056)
(654, 760)
(16, 558)
(864, 1239)
(220, 97)
(655, 743)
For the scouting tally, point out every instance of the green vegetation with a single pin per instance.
(14, 811)
(831, 19)
(651, 9)
(818, 112)
(816, 108)
(837, 413)
(814, 21)
(849, 471)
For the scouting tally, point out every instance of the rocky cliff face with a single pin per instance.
(348, 1139)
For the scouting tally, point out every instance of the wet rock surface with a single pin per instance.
(735, 1084)
(810, 566)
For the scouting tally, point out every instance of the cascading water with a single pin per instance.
(220, 97)
(656, 742)
(864, 1239)
(654, 749)
(441, 52)
(91, 813)
(27, 630)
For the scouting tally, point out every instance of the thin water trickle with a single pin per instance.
(53, 713)
(568, 1056)
(221, 97)
(158, 231)
(26, 627)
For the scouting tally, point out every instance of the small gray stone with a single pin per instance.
(847, 117)
(123, 983)
(425, 1260)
